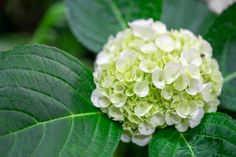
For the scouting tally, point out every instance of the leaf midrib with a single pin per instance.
(72, 116)
(118, 14)
(232, 75)
(188, 145)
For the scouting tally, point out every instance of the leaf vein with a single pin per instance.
(188, 145)
(53, 120)
(41, 139)
(68, 135)
(118, 14)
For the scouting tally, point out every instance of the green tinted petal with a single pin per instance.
(158, 79)
(148, 48)
(195, 86)
(182, 109)
(147, 66)
(145, 129)
(125, 60)
(119, 87)
(134, 118)
(172, 71)
(142, 108)
(115, 113)
(141, 88)
(180, 83)
(172, 118)
(118, 99)
(167, 93)
(104, 102)
(141, 140)
(126, 136)
(182, 127)
(157, 120)
(165, 43)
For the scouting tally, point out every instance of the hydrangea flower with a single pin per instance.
(218, 6)
(148, 78)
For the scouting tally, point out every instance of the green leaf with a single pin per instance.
(215, 136)
(222, 36)
(54, 31)
(45, 107)
(189, 14)
(93, 21)
(54, 16)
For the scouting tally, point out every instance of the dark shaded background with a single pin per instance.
(38, 21)
(22, 15)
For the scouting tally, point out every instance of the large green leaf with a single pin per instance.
(93, 21)
(45, 107)
(189, 14)
(215, 136)
(222, 36)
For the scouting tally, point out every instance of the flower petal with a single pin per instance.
(103, 58)
(159, 27)
(171, 118)
(158, 79)
(141, 88)
(181, 83)
(142, 108)
(172, 71)
(115, 113)
(206, 49)
(182, 109)
(95, 97)
(104, 102)
(118, 99)
(167, 93)
(141, 140)
(194, 86)
(148, 48)
(193, 71)
(145, 129)
(212, 106)
(206, 92)
(126, 137)
(143, 28)
(157, 120)
(147, 66)
(119, 87)
(199, 115)
(125, 60)
(165, 43)
(182, 127)
(191, 56)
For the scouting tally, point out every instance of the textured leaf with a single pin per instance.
(93, 21)
(215, 136)
(45, 108)
(189, 14)
(222, 36)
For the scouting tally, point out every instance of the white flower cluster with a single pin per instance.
(148, 78)
(218, 6)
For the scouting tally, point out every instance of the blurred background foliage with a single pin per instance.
(39, 21)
